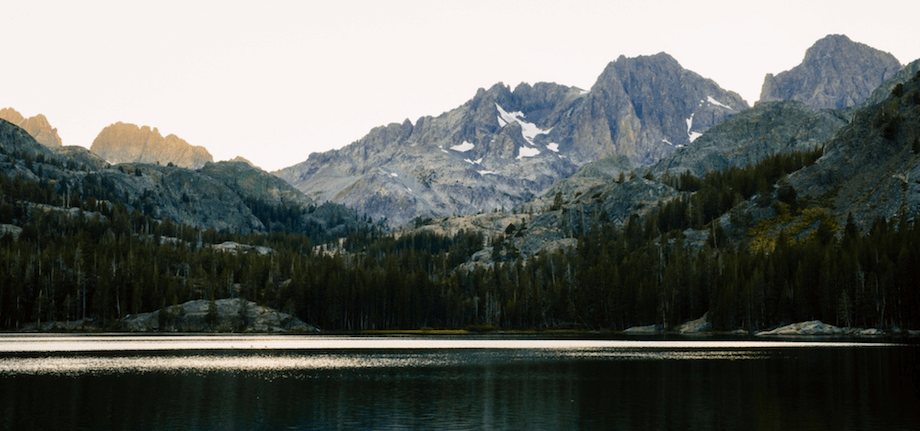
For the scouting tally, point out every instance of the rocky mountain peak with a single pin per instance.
(128, 143)
(37, 126)
(644, 108)
(835, 73)
(504, 146)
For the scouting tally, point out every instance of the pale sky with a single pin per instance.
(274, 81)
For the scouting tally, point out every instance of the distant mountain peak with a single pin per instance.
(37, 126)
(128, 143)
(835, 73)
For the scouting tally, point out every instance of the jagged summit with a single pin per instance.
(128, 143)
(836, 73)
(505, 146)
(37, 126)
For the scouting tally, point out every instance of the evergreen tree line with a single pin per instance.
(103, 261)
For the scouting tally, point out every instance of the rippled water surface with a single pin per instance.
(333, 382)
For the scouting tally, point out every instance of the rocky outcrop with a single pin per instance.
(37, 126)
(128, 143)
(597, 173)
(553, 222)
(751, 136)
(254, 183)
(81, 155)
(504, 146)
(222, 315)
(836, 73)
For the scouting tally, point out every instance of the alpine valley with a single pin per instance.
(652, 199)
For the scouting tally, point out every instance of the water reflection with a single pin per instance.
(315, 382)
(55, 343)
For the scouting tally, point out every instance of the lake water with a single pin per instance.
(479, 383)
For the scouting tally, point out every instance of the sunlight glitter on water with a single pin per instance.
(116, 354)
(20, 343)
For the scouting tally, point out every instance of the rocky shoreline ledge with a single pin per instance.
(702, 326)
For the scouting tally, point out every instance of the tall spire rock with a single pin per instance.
(836, 73)
(128, 143)
(37, 126)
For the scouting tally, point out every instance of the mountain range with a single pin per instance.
(506, 147)
(651, 198)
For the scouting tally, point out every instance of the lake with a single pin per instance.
(457, 383)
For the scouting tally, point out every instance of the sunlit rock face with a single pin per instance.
(836, 73)
(128, 143)
(504, 147)
(37, 126)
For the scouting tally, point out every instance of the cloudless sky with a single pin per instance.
(274, 81)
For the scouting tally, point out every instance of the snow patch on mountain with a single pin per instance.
(464, 147)
(552, 146)
(690, 134)
(717, 103)
(528, 130)
(527, 152)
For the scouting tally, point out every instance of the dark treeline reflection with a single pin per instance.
(813, 388)
(105, 261)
